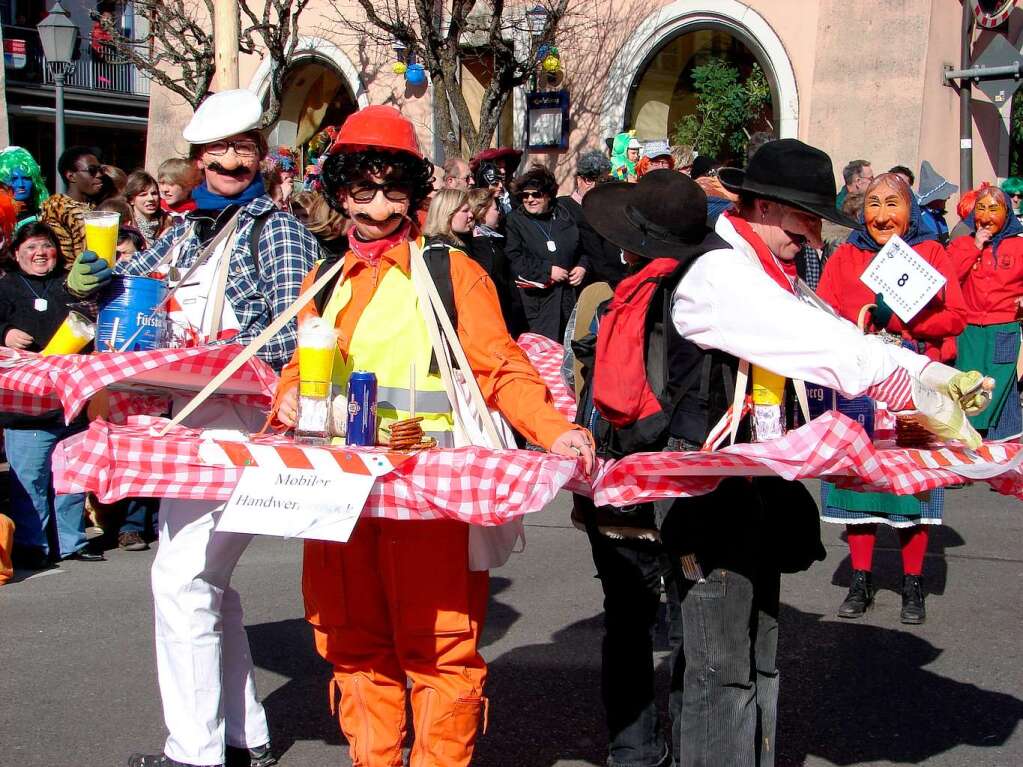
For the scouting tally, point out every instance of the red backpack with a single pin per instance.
(622, 392)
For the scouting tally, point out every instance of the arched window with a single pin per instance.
(662, 92)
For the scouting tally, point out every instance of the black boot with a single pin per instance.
(261, 756)
(913, 611)
(860, 596)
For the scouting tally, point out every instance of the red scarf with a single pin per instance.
(774, 267)
(185, 206)
(370, 252)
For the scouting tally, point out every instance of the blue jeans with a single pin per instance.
(630, 573)
(730, 628)
(37, 512)
(140, 515)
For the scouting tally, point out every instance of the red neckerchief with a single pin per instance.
(370, 252)
(775, 269)
(185, 206)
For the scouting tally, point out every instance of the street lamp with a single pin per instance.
(57, 34)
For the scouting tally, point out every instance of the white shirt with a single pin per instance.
(726, 301)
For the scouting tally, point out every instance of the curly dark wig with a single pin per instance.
(341, 170)
(539, 178)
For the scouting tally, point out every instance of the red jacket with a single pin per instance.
(990, 289)
(937, 324)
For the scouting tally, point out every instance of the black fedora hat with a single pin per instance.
(663, 215)
(791, 172)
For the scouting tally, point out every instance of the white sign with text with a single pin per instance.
(902, 276)
(296, 503)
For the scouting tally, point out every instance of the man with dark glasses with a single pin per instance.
(239, 263)
(83, 174)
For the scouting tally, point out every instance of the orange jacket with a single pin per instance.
(508, 381)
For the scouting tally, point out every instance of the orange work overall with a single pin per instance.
(399, 602)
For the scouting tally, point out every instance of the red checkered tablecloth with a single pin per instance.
(487, 487)
(475, 485)
(546, 356)
(33, 384)
(831, 447)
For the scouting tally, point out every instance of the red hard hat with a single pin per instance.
(377, 127)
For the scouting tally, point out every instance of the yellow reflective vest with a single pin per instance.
(389, 338)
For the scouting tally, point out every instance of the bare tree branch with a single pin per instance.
(490, 31)
(179, 51)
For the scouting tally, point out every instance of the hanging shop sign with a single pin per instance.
(547, 120)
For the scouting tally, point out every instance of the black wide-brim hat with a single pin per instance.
(793, 173)
(663, 215)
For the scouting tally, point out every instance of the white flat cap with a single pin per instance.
(222, 115)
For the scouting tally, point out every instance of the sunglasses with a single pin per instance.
(531, 195)
(244, 148)
(92, 170)
(366, 192)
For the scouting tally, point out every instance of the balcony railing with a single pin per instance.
(28, 65)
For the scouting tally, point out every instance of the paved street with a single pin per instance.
(78, 687)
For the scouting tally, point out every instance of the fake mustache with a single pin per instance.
(239, 172)
(368, 219)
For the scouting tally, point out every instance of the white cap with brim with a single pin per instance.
(634, 143)
(222, 115)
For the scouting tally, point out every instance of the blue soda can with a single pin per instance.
(362, 408)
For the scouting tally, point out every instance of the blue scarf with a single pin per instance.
(915, 234)
(1012, 227)
(207, 200)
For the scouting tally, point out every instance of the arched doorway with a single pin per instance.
(315, 95)
(663, 91)
(670, 41)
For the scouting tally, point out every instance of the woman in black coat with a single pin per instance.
(485, 245)
(33, 304)
(542, 248)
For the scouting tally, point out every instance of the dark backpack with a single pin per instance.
(632, 361)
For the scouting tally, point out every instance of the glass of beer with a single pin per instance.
(101, 234)
(317, 344)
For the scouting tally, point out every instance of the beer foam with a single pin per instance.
(316, 333)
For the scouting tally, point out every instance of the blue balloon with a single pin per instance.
(415, 75)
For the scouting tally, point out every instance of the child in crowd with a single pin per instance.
(129, 242)
(177, 178)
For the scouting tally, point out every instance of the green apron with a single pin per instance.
(993, 350)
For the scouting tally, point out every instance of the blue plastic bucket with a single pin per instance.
(127, 315)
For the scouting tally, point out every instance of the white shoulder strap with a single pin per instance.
(444, 334)
(254, 346)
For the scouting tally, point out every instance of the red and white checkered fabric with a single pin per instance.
(475, 485)
(832, 447)
(36, 384)
(546, 356)
(487, 487)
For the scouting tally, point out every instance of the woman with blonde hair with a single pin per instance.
(449, 219)
(325, 223)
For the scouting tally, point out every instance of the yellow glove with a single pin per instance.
(970, 389)
(943, 416)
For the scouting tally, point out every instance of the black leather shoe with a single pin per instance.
(913, 611)
(860, 597)
(250, 757)
(29, 558)
(157, 760)
(87, 555)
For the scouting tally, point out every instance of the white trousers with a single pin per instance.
(202, 651)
